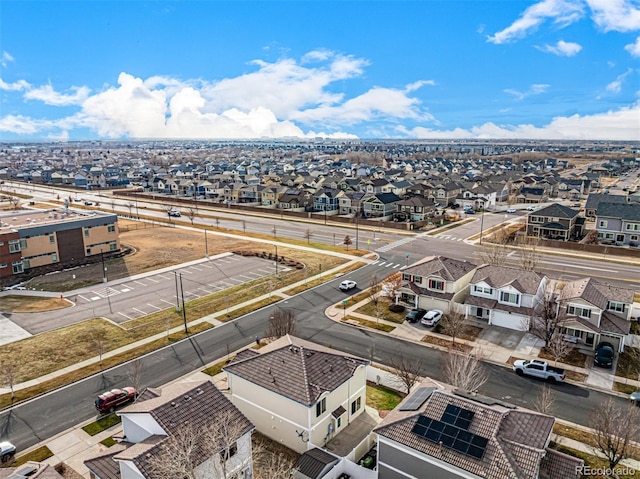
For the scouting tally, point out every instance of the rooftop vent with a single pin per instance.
(199, 391)
(173, 403)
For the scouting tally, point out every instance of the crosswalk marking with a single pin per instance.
(395, 244)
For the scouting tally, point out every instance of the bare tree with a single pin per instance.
(271, 464)
(9, 372)
(632, 364)
(274, 231)
(494, 252)
(391, 284)
(373, 293)
(408, 371)
(307, 235)
(347, 241)
(15, 202)
(112, 203)
(452, 324)
(217, 221)
(281, 323)
(545, 320)
(130, 205)
(558, 347)
(464, 371)
(615, 427)
(134, 373)
(545, 401)
(529, 256)
(99, 340)
(191, 214)
(244, 226)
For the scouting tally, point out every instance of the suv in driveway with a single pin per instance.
(432, 317)
(604, 355)
(108, 401)
(415, 315)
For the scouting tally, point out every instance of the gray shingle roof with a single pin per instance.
(299, 373)
(501, 276)
(595, 293)
(313, 462)
(447, 268)
(626, 211)
(557, 211)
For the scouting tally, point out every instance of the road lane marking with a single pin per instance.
(555, 263)
(125, 290)
(390, 264)
(128, 286)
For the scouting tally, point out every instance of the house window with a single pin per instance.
(112, 247)
(511, 298)
(633, 227)
(355, 405)
(23, 243)
(14, 246)
(537, 219)
(633, 238)
(321, 407)
(417, 279)
(18, 267)
(578, 311)
(111, 228)
(3, 265)
(482, 289)
(54, 257)
(602, 224)
(615, 306)
(86, 232)
(406, 277)
(88, 251)
(52, 239)
(229, 452)
(436, 284)
(338, 423)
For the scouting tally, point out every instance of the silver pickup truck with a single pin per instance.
(539, 369)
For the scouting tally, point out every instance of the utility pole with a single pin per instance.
(104, 268)
(276, 261)
(177, 297)
(481, 225)
(357, 212)
(206, 245)
(184, 310)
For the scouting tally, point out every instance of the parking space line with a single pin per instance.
(163, 277)
(122, 314)
(87, 300)
(127, 286)
(154, 306)
(185, 271)
(267, 271)
(139, 311)
(227, 284)
(193, 267)
(168, 302)
(139, 283)
(248, 278)
(233, 258)
(204, 265)
(237, 281)
(205, 290)
(152, 280)
(192, 294)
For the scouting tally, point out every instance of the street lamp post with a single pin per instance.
(357, 230)
(481, 226)
(104, 268)
(276, 246)
(184, 309)
(206, 244)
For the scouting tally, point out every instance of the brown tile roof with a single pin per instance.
(612, 323)
(426, 292)
(501, 276)
(297, 372)
(595, 293)
(105, 467)
(557, 465)
(42, 471)
(446, 268)
(313, 462)
(516, 438)
(493, 304)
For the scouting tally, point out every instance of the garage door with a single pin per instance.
(506, 320)
(614, 340)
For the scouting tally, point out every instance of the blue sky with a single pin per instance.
(452, 69)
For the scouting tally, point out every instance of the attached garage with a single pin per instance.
(511, 321)
(614, 340)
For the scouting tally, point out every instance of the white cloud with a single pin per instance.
(634, 48)
(562, 12)
(535, 89)
(615, 15)
(622, 124)
(6, 59)
(561, 48)
(48, 95)
(15, 86)
(616, 85)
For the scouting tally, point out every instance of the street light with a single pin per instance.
(104, 268)
(276, 261)
(481, 225)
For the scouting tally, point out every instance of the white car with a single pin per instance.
(347, 285)
(432, 317)
(174, 213)
(531, 208)
(7, 451)
(511, 210)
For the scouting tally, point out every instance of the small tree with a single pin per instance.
(130, 205)
(558, 347)
(615, 427)
(217, 221)
(244, 226)
(545, 401)
(274, 231)
(453, 324)
(495, 252)
(307, 235)
(391, 284)
(9, 371)
(529, 256)
(99, 341)
(407, 371)
(191, 214)
(134, 373)
(545, 320)
(15, 202)
(281, 323)
(373, 293)
(347, 241)
(464, 371)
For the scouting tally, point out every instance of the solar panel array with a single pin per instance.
(417, 399)
(452, 431)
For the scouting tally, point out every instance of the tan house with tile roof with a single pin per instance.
(595, 312)
(433, 282)
(298, 393)
(184, 409)
(505, 296)
(457, 435)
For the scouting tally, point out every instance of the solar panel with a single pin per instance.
(457, 416)
(451, 435)
(417, 399)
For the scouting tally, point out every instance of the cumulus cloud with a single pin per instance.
(561, 48)
(560, 12)
(615, 15)
(15, 86)
(616, 85)
(621, 124)
(634, 48)
(535, 89)
(6, 59)
(48, 95)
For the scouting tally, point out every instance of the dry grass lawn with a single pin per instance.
(31, 304)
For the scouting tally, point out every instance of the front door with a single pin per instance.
(589, 339)
(620, 238)
(479, 312)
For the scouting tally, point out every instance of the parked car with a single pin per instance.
(531, 208)
(347, 285)
(604, 355)
(539, 369)
(415, 315)
(88, 203)
(576, 205)
(174, 213)
(109, 400)
(7, 452)
(432, 317)
(635, 398)
(511, 210)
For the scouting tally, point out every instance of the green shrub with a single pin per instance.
(396, 308)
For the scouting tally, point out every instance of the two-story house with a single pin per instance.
(350, 202)
(555, 222)
(298, 393)
(379, 205)
(505, 296)
(435, 433)
(327, 199)
(414, 208)
(594, 312)
(219, 434)
(618, 223)
(594, 199)
(433, 282)
(446, 193)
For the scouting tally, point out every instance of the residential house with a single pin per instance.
(295, 200)
(378, 185)
(414, 208)
(159, 415)
(433, 282)
(307, 393)
(446, 193)
(592, 312)
(446, 435)
(400, 187)
(594, 199)
(573, 188)
(350, 202)
(505, 296)
(529, 194)
(326, 199)
(380, 205)
(555, 222)
(618, 223)
(419, 189)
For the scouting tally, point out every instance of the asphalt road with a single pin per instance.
(31, 422)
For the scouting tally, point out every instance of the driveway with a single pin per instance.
(497, 344)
